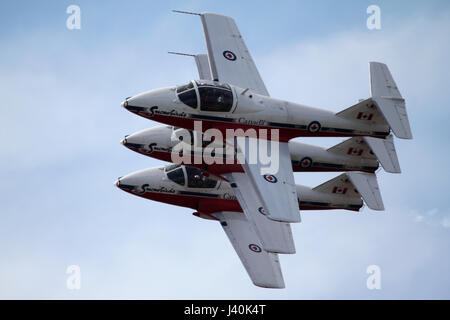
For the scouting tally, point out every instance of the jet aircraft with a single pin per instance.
(237, 98)
(230, 95)
(354, 154)
(213, 198)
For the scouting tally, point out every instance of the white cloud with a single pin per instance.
(433, 217)
(446, 222)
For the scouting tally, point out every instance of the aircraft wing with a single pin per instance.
(263, 267)
(203, 68)
(275, 236)
(229, 58)
(277, 191)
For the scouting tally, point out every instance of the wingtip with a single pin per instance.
(376, 63)
(377, 208)
(395, 170)
(215, 14)
(406, 136)
(278, 285)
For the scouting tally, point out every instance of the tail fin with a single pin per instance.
(385, 110)
(384, 150)
(388, 99)
(355, 184)
(355, 146)
(370, 148)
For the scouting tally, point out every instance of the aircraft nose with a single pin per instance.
(134, 181)
(150, 100)
(125, 183)
(124, 141)
(145, 141)
(125, 103)
(132, 143)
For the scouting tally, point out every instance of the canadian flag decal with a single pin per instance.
(339, 190)
(364, 116)
(355, 151)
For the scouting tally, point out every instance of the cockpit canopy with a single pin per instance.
(208, 95)
(195, 177)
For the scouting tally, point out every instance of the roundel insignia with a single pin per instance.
(306, 162)
(314, 126)
(229, 55)
(270, 178)
(254, 247)
(261, 210)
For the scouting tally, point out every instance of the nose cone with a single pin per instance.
(149, 140)
(144, 103)
(137, 181)
(124, 104)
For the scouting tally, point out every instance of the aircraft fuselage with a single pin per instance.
(249, 110)
(154, 184)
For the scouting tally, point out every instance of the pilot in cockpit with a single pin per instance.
(212, 96)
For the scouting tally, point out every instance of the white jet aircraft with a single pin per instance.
(232, 95)
(214, 199)
(241, 101)
(354, 154)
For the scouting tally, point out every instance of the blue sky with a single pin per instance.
(61, 124)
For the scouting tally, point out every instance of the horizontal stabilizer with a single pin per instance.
(388, 99)
(367, 186)
(384, 149)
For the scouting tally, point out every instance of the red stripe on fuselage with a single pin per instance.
(212, 205)
(218, 169)
(285, 134)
